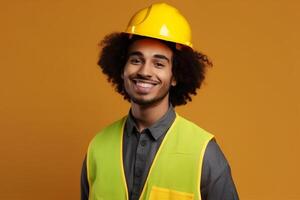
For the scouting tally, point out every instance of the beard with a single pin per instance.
(149, 102)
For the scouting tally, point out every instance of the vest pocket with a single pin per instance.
(158, 193)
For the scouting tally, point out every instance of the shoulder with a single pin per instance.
(215, 162)
(214, 154)
(112, 126)
(190, 127)
(111, 130)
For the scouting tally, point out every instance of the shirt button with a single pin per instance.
(138, 173)
(141, 157)
(143, 143)
(134, 196)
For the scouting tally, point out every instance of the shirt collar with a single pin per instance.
(158, 129)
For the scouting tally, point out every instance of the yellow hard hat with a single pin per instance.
(161, 21)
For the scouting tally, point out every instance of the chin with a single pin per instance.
(143, 102)
(149, 101)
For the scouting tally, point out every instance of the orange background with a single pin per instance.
(54, 98)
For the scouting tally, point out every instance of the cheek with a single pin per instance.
(128, 70)
(167, 76)
(125, 72)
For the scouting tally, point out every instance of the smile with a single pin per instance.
(144, 86)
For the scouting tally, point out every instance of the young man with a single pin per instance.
(153, 153)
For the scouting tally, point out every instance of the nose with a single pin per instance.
(145, 70)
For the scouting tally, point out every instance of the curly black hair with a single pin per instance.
(188, 67)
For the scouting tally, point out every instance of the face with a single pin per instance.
(148, 72)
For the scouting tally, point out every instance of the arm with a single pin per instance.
(84, 185)
(216, 179)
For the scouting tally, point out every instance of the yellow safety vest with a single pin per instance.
(175, 173)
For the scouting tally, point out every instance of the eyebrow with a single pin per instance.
(161, 57)
(138, 53)
(134, 53)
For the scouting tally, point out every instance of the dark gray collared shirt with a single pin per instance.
(139, 150)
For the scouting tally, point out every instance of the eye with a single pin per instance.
(135, 60)
(159, 64)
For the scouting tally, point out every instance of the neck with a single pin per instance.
(147, 115)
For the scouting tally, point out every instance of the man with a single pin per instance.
(153, 153)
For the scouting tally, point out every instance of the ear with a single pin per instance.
(122, 76)
(173, 82)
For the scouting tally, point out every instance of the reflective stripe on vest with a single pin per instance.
(174, 174)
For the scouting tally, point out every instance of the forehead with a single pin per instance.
(150, 47)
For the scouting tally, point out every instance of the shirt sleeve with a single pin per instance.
(216, 179)
(84, 185)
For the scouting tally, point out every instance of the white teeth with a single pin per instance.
(144, 85)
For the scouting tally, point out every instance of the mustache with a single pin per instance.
(145, 78)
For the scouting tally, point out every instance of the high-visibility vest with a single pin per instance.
(175, 173)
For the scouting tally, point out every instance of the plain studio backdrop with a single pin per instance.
(54, 99)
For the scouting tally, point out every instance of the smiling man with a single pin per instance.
(153, 153)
